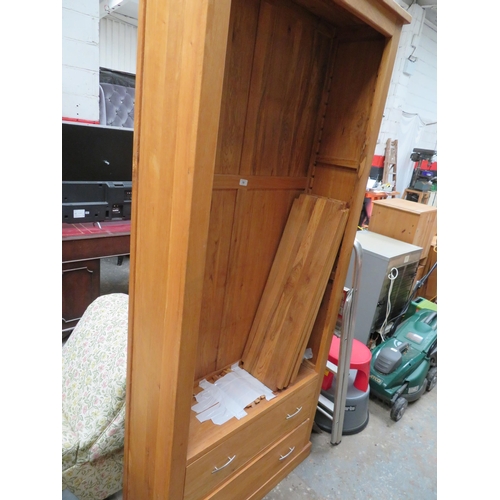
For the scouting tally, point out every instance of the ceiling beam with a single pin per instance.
(108, 6)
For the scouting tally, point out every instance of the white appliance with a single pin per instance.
(382, 257)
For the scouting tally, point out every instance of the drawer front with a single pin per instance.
(210, 470)
(263, 468)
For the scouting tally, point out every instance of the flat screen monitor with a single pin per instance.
(96, 153)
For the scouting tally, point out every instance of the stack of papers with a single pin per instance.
(229, 396)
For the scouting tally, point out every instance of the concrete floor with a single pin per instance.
(387, 460)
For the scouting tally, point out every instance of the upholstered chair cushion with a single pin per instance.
(94, 366)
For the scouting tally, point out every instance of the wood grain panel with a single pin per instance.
(260, 182)
(273, 460)
(317, 331)
(357, 33)
(206, 436)
(330, 12)
(237, 75)
(179, 85)
(257, 432)
(289, 245)
(404, 220)
(260, 219)
(285, 470)
(294, 289)
(386, 16)
(351, 95)
(291, 56)
(216, 269)
(337, 220)
(336, 182)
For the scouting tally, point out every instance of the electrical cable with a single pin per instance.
(420, 283)
(392, 277)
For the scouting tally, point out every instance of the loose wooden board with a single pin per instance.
(293, 292)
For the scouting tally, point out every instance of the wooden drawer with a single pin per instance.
(265, 466)
(234, 451)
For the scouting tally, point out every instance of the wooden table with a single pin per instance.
(83, 247)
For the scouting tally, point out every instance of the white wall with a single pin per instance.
(410, 114)
(80, 60)
(117, 45)
(416, 92)
(88, 44)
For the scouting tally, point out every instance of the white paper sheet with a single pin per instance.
(228, 396)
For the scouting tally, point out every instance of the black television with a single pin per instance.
(96, 172)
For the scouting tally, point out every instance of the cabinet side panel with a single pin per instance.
(181, 66)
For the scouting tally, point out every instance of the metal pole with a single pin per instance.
(345, 349)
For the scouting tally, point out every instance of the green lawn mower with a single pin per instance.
(404, 365)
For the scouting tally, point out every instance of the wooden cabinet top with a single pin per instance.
(405, 205)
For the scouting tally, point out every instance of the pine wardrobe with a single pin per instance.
(242, 107)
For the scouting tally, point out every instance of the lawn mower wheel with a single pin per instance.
(432, 377)
(398, 408)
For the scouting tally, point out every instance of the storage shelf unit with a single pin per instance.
(241, 106)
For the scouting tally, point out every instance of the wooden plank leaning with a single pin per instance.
(293, 291)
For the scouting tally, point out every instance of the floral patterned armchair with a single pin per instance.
(94, 366)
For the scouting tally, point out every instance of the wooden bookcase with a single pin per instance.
(241, 106)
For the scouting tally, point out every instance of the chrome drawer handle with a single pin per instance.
(217, 469)
(293, 414)
(289, 453)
